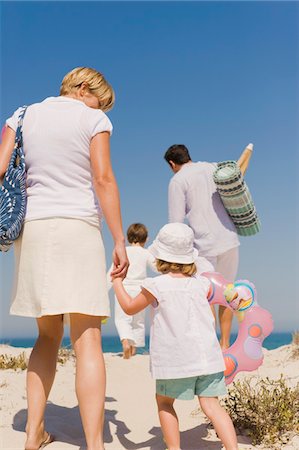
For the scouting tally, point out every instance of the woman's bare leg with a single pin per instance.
(90, 376)
(40, 376)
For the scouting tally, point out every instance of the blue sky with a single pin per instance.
(212, 75)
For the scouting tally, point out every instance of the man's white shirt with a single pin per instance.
(192, 196)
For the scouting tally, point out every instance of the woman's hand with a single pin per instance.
(120, 261)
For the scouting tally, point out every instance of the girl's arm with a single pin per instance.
(108, 195)
(131, 305)
(6, 148)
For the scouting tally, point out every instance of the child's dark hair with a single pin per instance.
(177, 153)
(137, 233)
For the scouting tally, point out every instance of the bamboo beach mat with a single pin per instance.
(236, 198)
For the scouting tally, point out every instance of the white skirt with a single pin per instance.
(60, 269)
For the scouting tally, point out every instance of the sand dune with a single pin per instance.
(131, 420)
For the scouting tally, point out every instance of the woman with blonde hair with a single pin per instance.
(60, 257)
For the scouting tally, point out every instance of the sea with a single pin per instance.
(112, 344)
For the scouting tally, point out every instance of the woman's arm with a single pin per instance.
(131, 305)
(108, 195)
(6, 148)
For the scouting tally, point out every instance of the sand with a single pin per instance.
(131, 420)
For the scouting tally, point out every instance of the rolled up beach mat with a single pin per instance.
(236, 198)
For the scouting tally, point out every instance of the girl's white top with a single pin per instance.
(183, 341)
(57, 134)
(140, 261)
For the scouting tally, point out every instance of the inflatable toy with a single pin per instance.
(255, 323)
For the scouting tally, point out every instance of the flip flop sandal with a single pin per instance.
(46, 441)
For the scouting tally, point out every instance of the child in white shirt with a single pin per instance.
(185, 355)
(131, 329)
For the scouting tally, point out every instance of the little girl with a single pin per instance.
(185, 356)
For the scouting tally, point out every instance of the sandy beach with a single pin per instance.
(131, 420)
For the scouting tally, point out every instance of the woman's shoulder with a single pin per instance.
(97, 120)
(12, 121)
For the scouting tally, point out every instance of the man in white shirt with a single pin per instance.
(192, 196)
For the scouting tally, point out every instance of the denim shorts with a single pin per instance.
(211, 385)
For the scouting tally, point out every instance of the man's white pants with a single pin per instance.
(226, 263)
(130, 327)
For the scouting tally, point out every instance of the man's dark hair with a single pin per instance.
(177, 153)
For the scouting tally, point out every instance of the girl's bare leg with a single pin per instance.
(169, 422)
(220, 420)
(40, 376)
(90, 376)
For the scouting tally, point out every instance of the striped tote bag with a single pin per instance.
(236, 198)
(13, 192)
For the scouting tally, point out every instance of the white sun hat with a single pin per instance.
(175, 243)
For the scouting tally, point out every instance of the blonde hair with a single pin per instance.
(185, 269)
(97, 85)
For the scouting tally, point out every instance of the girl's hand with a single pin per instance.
(120, 261)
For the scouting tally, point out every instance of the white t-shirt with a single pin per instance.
(183, 341)
(193, 195)
(57, 134)
(140, 260)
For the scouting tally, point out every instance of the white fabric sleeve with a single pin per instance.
(203, 265)
(176, 203)
(109, 282)
(206, 284)
(149, 285)
(12, 122)
(151, 262)
(100, 123)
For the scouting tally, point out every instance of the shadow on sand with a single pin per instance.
(65, 424)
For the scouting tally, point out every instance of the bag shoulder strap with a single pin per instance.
(19, 134)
